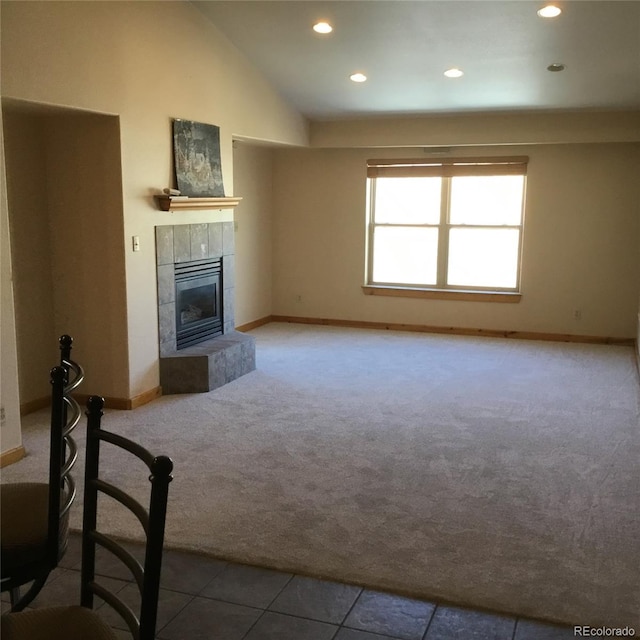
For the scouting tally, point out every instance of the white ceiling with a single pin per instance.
(404, 46)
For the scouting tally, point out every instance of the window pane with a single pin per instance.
(405, 256)
(407, 200)
(486, 200)
(483, 258)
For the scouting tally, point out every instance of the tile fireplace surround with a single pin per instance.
(210, 364)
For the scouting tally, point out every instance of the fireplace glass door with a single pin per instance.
(198, 301)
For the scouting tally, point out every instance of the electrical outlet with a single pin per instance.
(298, 298)
(577, 314)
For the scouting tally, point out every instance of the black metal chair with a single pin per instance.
(35, 516)
(82, 623)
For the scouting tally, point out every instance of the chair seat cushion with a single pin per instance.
(66, 623)
(24, 508)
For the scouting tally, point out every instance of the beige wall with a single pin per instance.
(252, 170)
(65, 209)
(147, 62)
(25, 147)
(10, 433)
(580, 243)
(84, 196)
(479, 129)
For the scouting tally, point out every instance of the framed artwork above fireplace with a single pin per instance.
(197, 163)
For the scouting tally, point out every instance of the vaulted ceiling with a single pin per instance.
(404, 47)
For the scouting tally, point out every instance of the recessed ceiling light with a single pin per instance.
(322, 27)
(454, 73)
(556, 66)
(358, 77)
(550, 11)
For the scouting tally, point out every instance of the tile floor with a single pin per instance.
(206, 599)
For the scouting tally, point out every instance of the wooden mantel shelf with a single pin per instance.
(173, 203)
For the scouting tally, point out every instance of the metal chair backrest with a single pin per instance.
(65, 415)
(30, 559)
(152, 519)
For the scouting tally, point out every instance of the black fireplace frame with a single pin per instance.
(189, 275)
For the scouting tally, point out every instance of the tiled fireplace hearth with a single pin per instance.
(215, 361)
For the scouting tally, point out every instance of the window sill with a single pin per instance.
(440, 294)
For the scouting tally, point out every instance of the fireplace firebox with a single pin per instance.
(199, 305)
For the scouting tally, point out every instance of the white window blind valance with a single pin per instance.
(451, 167)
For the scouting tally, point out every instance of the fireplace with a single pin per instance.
(199, 305)
(200, 350)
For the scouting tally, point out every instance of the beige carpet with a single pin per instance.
(500, 474)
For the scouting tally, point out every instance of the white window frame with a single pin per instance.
(446, 170)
